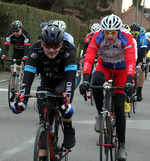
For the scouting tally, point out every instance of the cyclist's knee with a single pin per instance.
(98, 78)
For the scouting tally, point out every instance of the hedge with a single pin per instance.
(31, 19)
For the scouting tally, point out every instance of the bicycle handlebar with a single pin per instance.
(107, 86)
(14, 60)
(45, 94)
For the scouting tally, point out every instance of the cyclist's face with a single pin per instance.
(135, 34)
(17, 33)
(110, 36)
(51, 51)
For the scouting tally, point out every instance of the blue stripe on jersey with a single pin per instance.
(30, 68)
(71, 67)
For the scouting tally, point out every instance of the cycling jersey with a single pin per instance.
(141, 43)
(118, 55)
(68, 38)
(52, 71)
(20, 44)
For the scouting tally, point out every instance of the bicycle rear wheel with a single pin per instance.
(13, 85)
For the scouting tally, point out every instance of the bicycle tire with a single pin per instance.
(92, 98)
(37, 142)
(59, 134)
(16, 89)
(102, 138)
(134, 106)
(108, 138)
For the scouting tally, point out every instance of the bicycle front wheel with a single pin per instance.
(105, 139)
(59, 151)
(13, 88)
(102, 139)
(41, 133)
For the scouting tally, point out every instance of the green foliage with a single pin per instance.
(31, 19)
(82, 9)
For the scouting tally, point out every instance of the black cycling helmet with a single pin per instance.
(52, 35)
(16, 25)
(135, 27)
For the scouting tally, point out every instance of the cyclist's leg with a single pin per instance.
(119, 101)
(140, 80)
(98, 78)
(69, 131)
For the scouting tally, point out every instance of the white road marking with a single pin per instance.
(131, 124)
(16, 149)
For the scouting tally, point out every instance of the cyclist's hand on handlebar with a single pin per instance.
(19, 106)
(129, 88)
(67, 111)
(3, 57)
(84, 87)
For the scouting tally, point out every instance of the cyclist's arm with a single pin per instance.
(70, 74)
(130, 56)
(5, 49)
(29, 74)
(26, 44)
(143, 54)
(90, 56)
(7, 43)
(85, 46)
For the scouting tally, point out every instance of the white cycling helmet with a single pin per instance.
(60, 24)
(111, 22)
(95, 27)
(147, 34)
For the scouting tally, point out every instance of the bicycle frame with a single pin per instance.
(52, 116)
(107, 128)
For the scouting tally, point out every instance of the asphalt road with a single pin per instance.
(17, 132)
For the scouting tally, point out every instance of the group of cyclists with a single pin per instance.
(53, 58)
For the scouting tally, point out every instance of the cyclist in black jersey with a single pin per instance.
(20, 40)
(55, 61)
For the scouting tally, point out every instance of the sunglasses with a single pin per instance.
(134, 33)
(111, 32)
(49, 46)
(15, 30)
